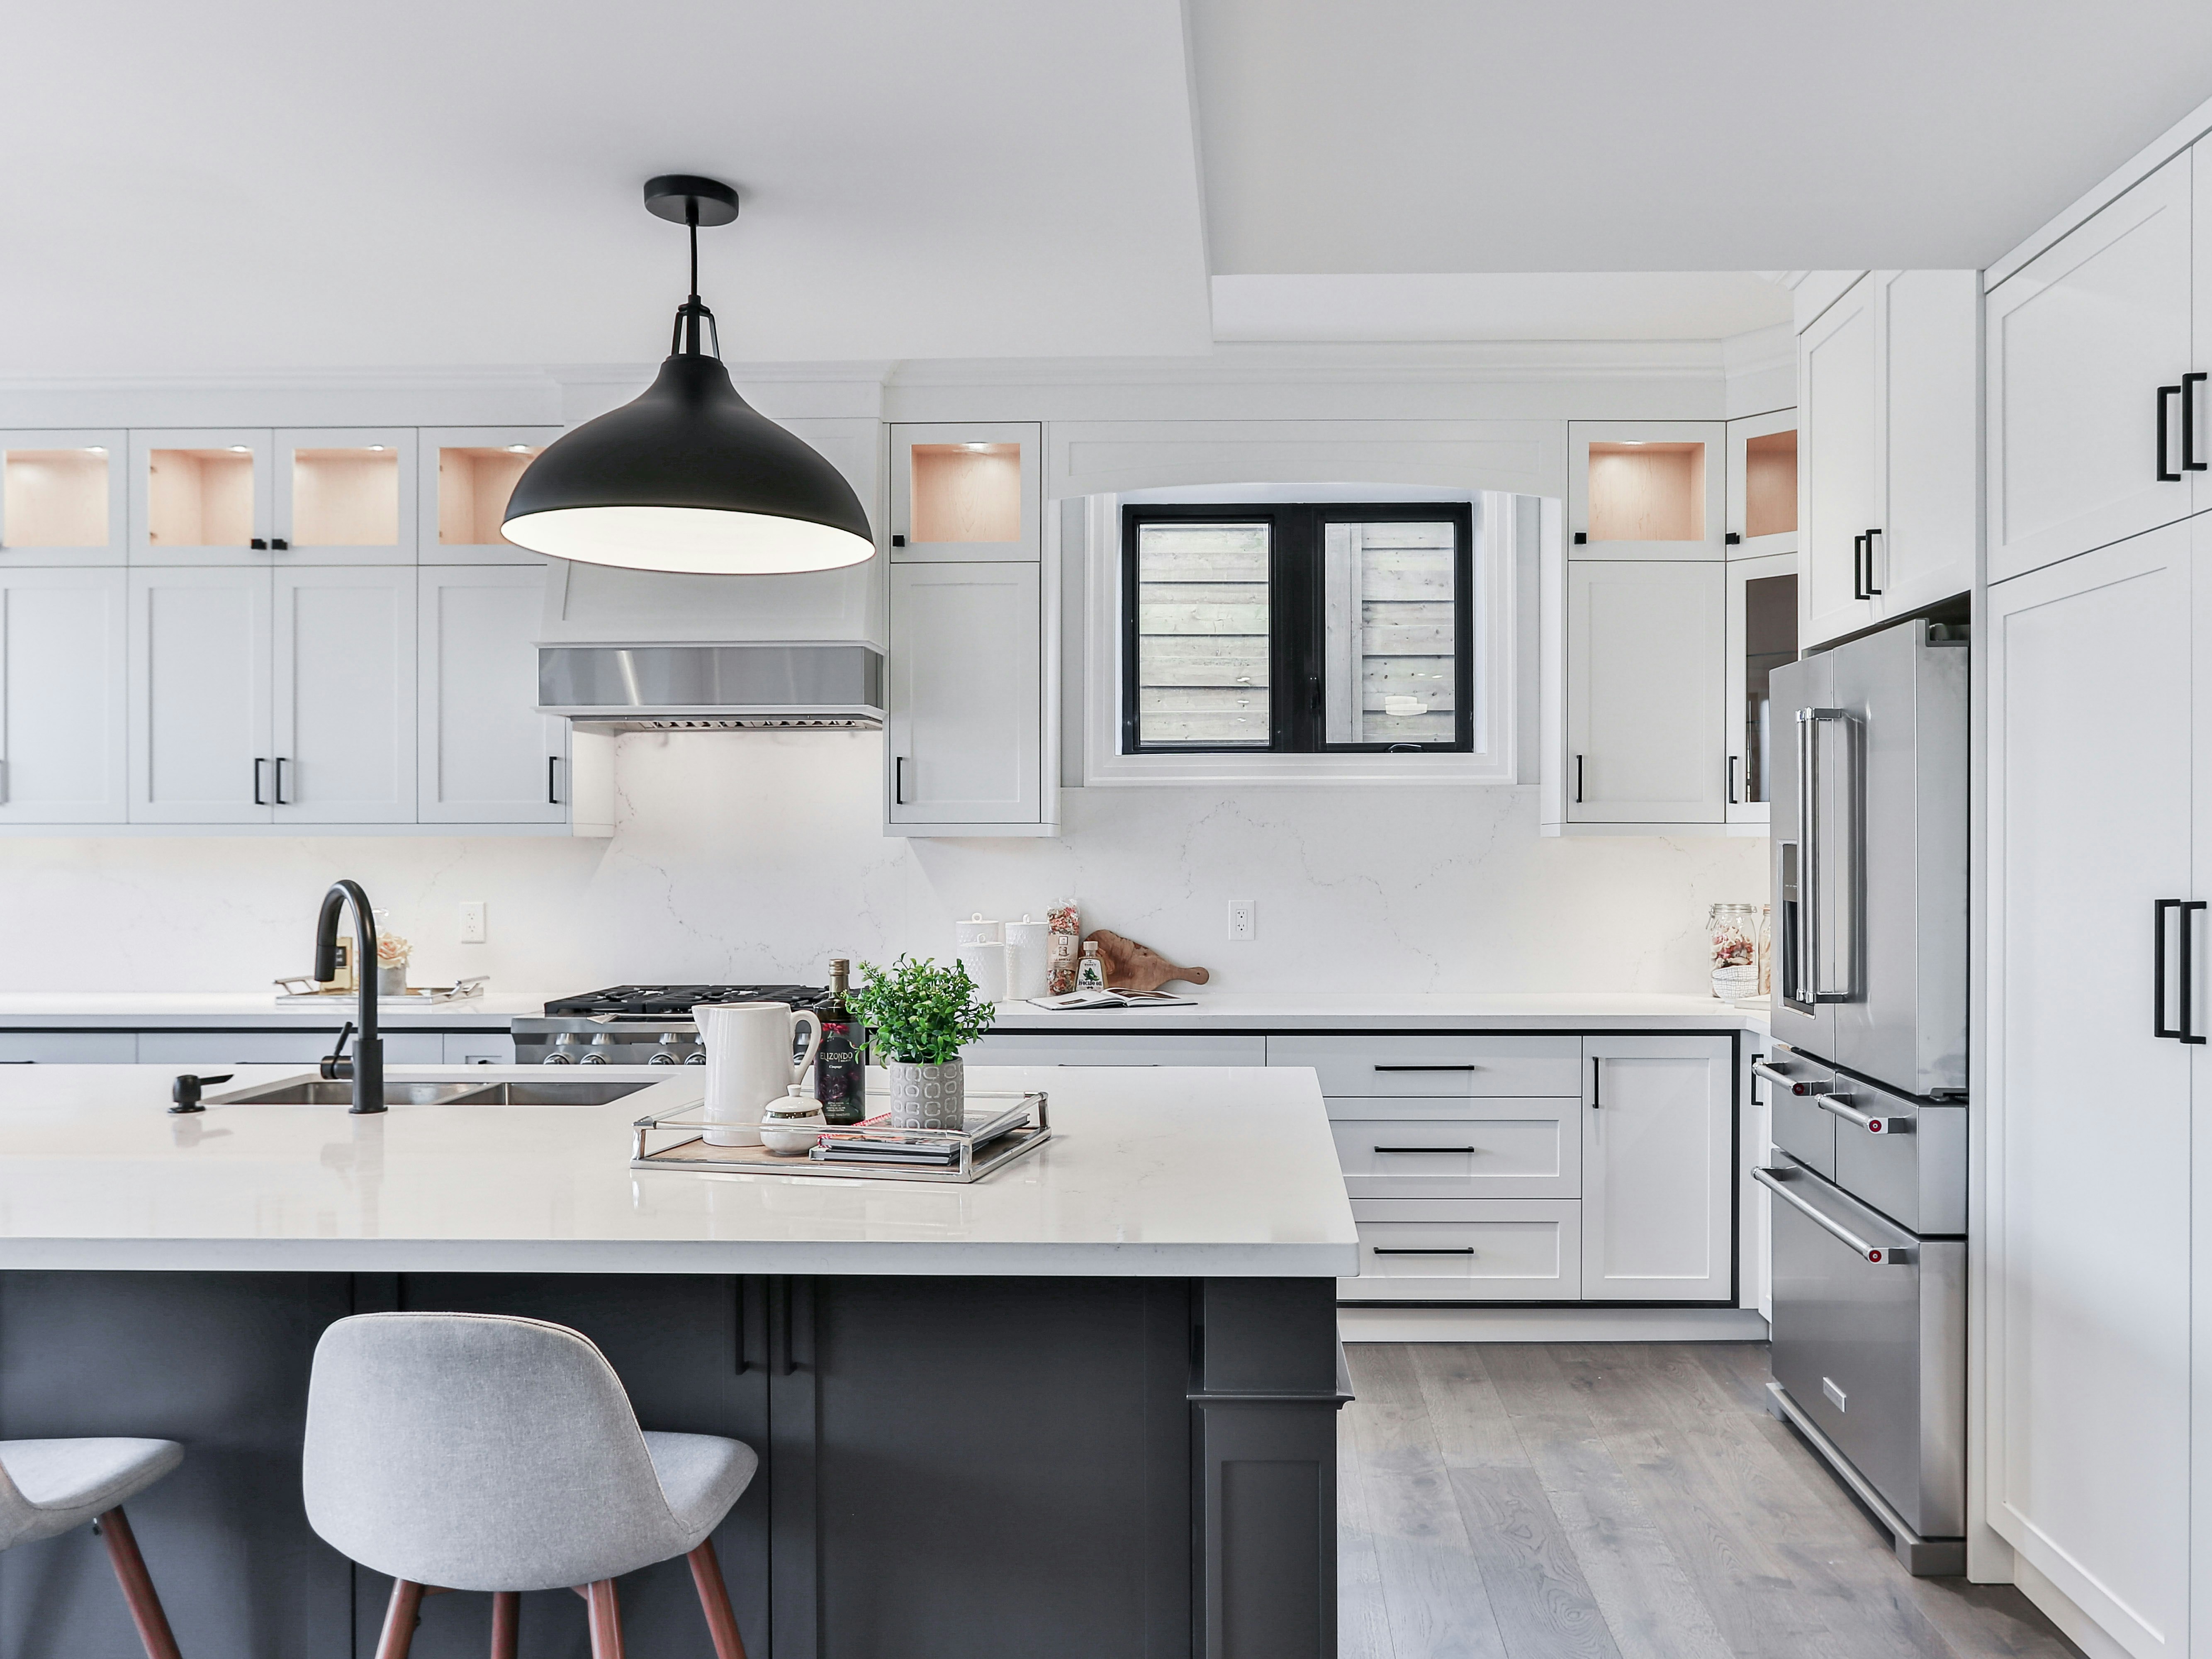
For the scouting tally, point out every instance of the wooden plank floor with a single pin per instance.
(1620, 1501)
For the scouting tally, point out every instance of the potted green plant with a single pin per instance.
(921, 1016)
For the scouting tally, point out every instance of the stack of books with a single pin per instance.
(874, 1141)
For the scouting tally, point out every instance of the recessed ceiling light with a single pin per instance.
(241, 449)
(376, 449)
(95, 449)
(518, 449)
(689, 476)
(979, 446)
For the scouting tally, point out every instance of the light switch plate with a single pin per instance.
(472, 921)
(1243, 924)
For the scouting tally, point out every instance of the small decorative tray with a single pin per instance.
(692, 1152)
(299, 990)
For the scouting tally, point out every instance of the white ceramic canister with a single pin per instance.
(976, 930)
(791, 1125)
(749, 1063)
(1029, 949)
(988, 965)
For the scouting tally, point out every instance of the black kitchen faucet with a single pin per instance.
(366, 1066)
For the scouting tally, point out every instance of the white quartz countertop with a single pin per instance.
(1530, 1010)
(1166, 1171)
(94, 1010)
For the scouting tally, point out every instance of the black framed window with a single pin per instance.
(1317, 628)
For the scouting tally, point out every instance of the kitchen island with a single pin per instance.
(1084, 1408)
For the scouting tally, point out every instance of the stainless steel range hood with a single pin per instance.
(713, 688)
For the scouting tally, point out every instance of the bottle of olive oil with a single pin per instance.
(840, 1083)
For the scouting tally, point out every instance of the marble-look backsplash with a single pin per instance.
(756, 855)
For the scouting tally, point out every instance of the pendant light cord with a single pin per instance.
(693, 311)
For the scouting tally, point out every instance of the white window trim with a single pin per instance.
(1491, 760)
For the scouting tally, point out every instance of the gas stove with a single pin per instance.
(636, 1025)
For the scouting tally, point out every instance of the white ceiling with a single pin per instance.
(277, 184)
(1624, 135)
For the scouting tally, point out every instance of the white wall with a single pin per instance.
(739, 855)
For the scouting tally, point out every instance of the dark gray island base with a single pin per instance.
(976, 1468)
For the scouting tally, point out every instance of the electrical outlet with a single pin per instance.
(1241, 923)
(472, 921)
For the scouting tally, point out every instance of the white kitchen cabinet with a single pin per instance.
(1647, 489)
(64, 644)
(342, 735)
(69, 1048)
(62, 497)
(1927, 442)
(966, 700)
(1888, 389)
(199, 680)
(1762, 636)
(202, 496)
(486, 755)
(2099, 757)
(342, 496)
(1657, 1182)
(967, 494)
(1837, 469)
(1422, 1148)
(1445, 1249)
(1762, 485)
(1646, 701)
(2080, 340)
(465, 475)
(1112, 1049)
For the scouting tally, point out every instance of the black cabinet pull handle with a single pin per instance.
(280, 544)
(1461, 1249)
(1733, 538)
(1872, 591)
(2158, 1026)
(2164, 392)
(259, 544)
(898, 781)
(259, 761)
(2188, 961)
(1578, 780)
(1858, 568)
(2189, 461)
(1425, 1149)
(1468, 1067)
(1581, 539)
(552, 776)
(280, 800)
(1597, 1070)
(1732, 801)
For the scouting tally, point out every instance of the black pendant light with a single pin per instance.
(689, 476)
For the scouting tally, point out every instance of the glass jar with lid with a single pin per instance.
(1733, 931)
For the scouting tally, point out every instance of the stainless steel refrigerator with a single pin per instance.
(1867, 1076)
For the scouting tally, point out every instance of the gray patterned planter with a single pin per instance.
(928, 1096)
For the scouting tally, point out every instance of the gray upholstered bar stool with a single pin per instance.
(48, 1487)
(462, 1451)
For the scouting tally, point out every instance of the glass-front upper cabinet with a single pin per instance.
(1646, 490)
(1762, 485)
(468, 473)
(963, 493)
(345, 496)
(1762, 636)
(200, 496)
(61, 498)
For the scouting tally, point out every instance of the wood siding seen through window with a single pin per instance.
(1391, 647)
(1202, 634)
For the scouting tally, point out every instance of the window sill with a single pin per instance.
(1157, 770)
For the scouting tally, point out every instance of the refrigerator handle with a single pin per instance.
(1814, 854)
(1882, 1255)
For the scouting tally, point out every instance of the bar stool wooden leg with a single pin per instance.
(606, 1620)
(138, 1586)
(714, 1601)
(401, 1615)
(505, 1623)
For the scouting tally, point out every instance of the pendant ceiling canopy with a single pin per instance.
(688, 476)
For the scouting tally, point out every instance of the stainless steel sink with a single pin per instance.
(313, 1091)
(324, 1091)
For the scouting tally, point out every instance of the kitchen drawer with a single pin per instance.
(1447, 1066)
(1418, 1249)
(1914, 1171)
(214, 1048)
(1112, 1049)
(68, 1048)
(1485, 1149)
(1796, 1121)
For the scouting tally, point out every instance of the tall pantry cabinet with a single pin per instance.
(2097, 650)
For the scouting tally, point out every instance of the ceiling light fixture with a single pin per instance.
(689, 476)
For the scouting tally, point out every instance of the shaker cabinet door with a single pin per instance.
(1929, 419)
(344, 746)
(63, 648)
(1646, 697)
(485, 753)
(1837, 481)
(965, 701)
(1657, 1201)
(2080, 341)
(199, 679)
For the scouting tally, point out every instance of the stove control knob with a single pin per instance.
(564, 1050)
(665, 1054)
(600, 1045)
(696, 1057)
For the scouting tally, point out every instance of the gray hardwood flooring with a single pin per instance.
(1620, 1501)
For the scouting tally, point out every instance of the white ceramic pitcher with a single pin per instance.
(749, 1063)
